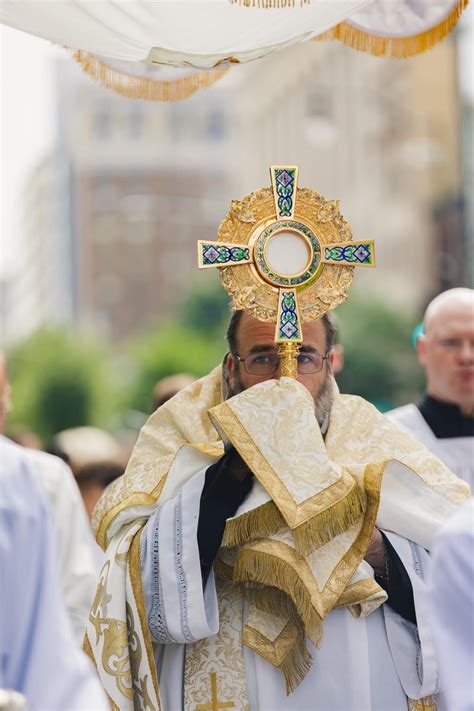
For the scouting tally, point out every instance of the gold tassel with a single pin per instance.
(136, 87)
(254, 524)
(398, 47)
(254, 566)
(323, 527)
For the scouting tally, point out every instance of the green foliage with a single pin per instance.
(59, 380)
(168, 349)
(205, 308)
(194, 342)
(380, 363)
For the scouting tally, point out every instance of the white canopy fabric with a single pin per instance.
(116, 40)
(177, 32)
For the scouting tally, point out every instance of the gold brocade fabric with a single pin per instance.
(296, 547)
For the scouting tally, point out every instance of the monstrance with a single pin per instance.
(286, 255)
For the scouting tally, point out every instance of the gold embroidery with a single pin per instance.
(136, 581)
(221, 653)
(426, 704)
(215, 705)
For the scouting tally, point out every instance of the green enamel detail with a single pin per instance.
(357, 253)
(285, 187)
(213, 254)
(288, 327)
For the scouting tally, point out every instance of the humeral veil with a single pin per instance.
(292, 555)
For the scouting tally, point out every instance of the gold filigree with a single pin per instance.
(241, 210)
(260, 299)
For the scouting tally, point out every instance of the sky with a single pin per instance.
(27, 120)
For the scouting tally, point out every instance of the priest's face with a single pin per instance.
(447, 353)
(256, 337)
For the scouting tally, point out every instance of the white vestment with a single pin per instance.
(456, 452)
(77, 552)
(364, 664)
(39, 657)
(451, 586)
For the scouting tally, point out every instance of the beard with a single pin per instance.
(323, 401)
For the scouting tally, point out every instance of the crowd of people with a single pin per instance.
(407, 638)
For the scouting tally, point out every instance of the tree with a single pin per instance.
(59, 380)
(380, 363)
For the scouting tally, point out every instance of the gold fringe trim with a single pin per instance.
(328, 524)
(136, 87)
(255, 566)
(251, 525)
(319, 530)
(296, 664)
(398, 47)
(270, 4)
(297, 659)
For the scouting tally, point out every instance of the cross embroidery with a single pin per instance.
(215, 705)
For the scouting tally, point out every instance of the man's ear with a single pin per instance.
(230, 365)
(421, 350)
(336, 358)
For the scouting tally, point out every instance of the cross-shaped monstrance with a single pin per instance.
(215, 705)
(287, 253)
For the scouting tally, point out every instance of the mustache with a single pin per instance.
(323, 401)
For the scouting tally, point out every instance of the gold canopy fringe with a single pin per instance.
(324, 526)
(270, 4)
(136, 87)
(398, 47)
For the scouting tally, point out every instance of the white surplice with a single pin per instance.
(451, 586)
(77, 553)
(363, 664)
(39, 657)
(456, 452)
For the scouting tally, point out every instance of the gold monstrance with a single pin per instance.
(286, 255)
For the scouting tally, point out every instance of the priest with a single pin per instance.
(266, 547)
(40, 658)
(444, 419)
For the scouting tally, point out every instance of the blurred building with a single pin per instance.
(40, 292)
(374, 133)
(137, 183)
(148, 182)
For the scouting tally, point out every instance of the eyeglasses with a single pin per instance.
(268, 363)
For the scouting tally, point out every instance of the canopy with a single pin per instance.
(211, 34)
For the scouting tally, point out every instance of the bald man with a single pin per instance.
(444, 419)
